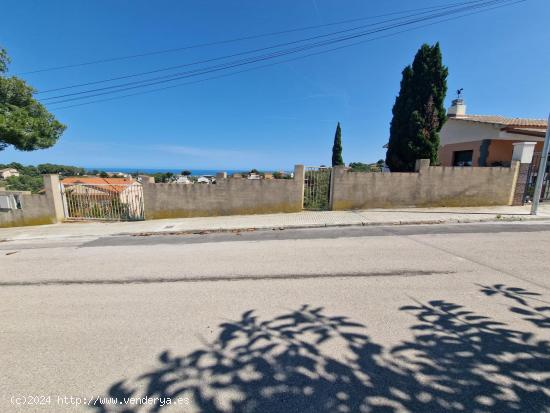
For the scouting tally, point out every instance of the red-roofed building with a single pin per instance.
(102, 184)
(96, 197)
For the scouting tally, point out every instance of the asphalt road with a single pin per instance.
(393, 319)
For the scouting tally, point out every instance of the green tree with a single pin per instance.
(418, 112)
(367, 167)
(103, 174)
(25, 183)
(163, 177)
(337, 147)
(30, 178)
(359, 167)
(24, 122)
(186, 172)
(49, 168)
(23, 170)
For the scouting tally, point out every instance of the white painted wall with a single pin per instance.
(460, 131)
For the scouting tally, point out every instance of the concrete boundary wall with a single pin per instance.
(229, 196)
(428, 187)
(35, 209)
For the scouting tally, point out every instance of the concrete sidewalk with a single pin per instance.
(306, 219)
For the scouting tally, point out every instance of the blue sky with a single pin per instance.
(271, 118)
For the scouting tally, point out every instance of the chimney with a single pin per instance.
(458, 108)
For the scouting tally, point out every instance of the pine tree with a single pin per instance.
(418, 112)
(337, 147)
(25, 123)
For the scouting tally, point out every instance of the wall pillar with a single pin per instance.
(146, 179)
(421, 165)
(299, 176)
(147, 184)
(221, 176)
(522, 157)
(53, 192)
(337, 171)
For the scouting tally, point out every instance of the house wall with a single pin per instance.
(430, 187)
(460, 135)
(8, 173)
(502, 150)
(499, 151)
(446, 152)
(463, 135)
(461, 131)
(229, 196)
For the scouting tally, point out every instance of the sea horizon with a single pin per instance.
(194, 172)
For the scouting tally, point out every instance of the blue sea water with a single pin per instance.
(150, 171)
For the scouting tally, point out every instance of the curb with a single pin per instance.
(343, 225)
(203, 231)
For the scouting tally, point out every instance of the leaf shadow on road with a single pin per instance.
(308, 361)
(537, 313)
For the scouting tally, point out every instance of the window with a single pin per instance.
(463, 158)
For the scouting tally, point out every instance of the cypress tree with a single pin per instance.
(418, 112)
(337, 147)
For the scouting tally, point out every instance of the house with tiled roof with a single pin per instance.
(106, 185)
(85, 194)
(485, 140)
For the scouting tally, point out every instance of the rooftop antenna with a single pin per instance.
(459, 92)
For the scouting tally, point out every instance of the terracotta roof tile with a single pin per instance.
(504, 121)
(108, 184)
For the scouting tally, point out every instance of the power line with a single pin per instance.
(215, 69)
(283, 61)
(229, 65)
(220, 42)
(279, 45)
(276, 63)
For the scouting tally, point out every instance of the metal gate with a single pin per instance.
(317, 188)
(532, 179)
(112, 202)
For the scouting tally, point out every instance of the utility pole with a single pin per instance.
(542, 171)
